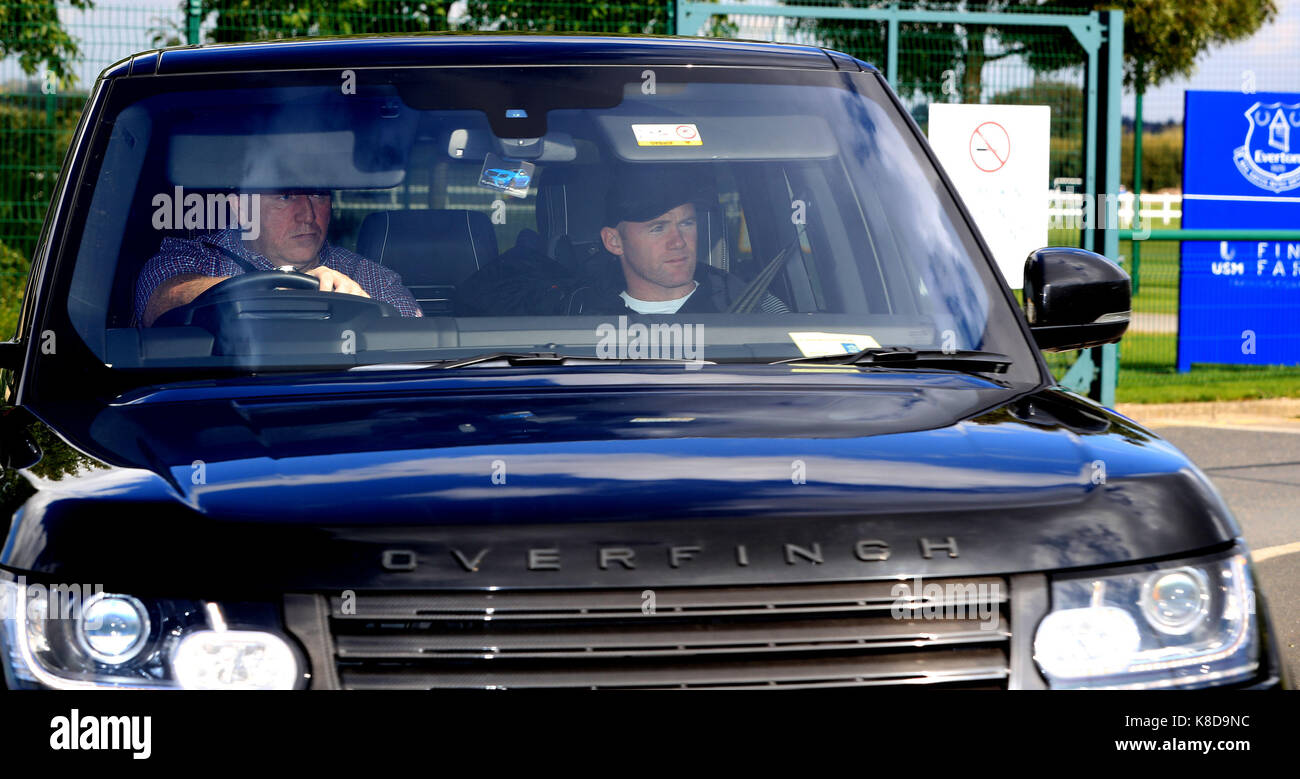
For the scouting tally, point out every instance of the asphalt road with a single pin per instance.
(1258, 474)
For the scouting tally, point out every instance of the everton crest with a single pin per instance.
(1270, 158)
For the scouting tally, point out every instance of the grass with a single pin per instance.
(1157, 276)
(1148, 372)
(1148, 375)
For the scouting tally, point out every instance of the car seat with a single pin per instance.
(432, 249)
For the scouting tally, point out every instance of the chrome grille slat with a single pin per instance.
(869, 633)
(907, 668)
(583, 604)
(763, 636)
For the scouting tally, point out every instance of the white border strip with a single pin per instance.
(1247, 198)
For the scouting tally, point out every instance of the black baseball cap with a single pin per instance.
(640, 194)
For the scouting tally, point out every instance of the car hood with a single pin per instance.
(587, 478)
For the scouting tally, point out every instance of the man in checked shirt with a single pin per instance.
(292, 233)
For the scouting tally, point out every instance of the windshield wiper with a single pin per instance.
(905, 357)
(520, 360)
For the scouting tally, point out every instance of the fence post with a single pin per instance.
(891, 47)
(1136, 222)
(1109, 133)
(193, 16)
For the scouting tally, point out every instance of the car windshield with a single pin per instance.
(426, 216)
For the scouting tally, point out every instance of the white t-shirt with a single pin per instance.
(656, 306)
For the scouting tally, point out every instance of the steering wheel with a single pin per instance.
(233, 296)
(257, 280)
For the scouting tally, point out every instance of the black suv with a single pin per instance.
(492, 362)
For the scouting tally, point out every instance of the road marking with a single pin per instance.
(1269, 552)
(1219, 426)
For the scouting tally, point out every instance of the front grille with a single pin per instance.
(814, 635)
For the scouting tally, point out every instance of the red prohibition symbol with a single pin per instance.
(990, 147)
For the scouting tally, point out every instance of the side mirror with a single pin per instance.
(17, 447)
(11, 355)
(1075, 299)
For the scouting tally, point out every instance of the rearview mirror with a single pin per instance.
(1075, 299)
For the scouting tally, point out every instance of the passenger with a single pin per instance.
(649, 264)
(651, 234)
(291, 234)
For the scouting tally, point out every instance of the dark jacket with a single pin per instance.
(600, 292)
(525, 282)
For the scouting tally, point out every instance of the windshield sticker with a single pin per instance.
(512, 177)
(819, 344)
(667, 135)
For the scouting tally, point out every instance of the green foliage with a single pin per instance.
(635, 16)
(13, 282)
(1162, 39)
(32, 31)
(1162, 159)
(1065, 100)
(1162, 149)
(35, 131)
(246, 20)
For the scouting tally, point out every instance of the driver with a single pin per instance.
(291, 236)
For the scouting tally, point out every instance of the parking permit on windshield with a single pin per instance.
(667, 135)
(512, 177)
(815, 344)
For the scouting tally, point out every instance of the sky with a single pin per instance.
(1272, 55)
(117, 28)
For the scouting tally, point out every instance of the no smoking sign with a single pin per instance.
(1006, 194)
(990, 147)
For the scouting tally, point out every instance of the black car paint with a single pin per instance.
(905, 473)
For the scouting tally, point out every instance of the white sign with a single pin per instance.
(997, 156)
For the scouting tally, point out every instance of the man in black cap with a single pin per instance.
(649, 266)
(652, 228)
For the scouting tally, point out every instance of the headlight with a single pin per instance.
(234, 660)
(114, 628)
(50, 637)
(1174, 626)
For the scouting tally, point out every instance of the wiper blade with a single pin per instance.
(904, 357)
(517, 360)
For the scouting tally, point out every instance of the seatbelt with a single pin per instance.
(240, 261)
(250, 267)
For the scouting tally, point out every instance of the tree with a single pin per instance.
(32, 31)
(248, 20)
(1162, 39)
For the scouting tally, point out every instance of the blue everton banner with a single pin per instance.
(1239, 301)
